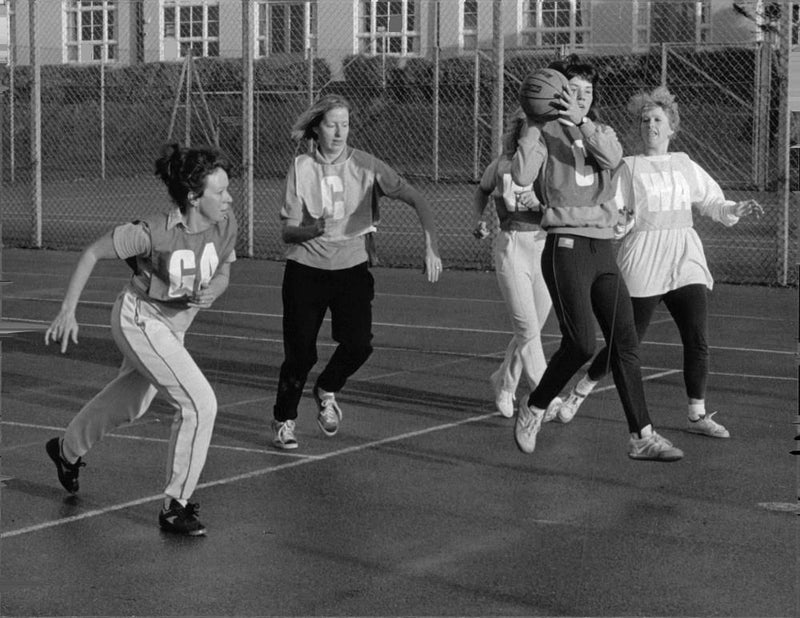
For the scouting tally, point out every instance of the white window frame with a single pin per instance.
(643, 22)
(467, 34)
(207, 42)
(262, 37)
(641, 25)
(538, 34)
(702, 25)
(376, 42)
(80, 50)
(5, 36)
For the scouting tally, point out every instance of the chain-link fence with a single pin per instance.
(108, 82)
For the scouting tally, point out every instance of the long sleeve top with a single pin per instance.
(663, 252)
(572, 169)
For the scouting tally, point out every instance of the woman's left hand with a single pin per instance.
(203, 299)
(569, 108)
(433, 266)
(748, 207)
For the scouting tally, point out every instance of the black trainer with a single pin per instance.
(181, 519)
(67, 472)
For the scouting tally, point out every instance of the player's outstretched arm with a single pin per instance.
(65, 327)
(433, 263)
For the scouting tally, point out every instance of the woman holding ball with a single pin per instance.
(573, 158)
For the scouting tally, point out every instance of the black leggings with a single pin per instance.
(688, 306)
(585, 284)
(308, 293)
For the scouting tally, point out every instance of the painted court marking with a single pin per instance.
(247, 475)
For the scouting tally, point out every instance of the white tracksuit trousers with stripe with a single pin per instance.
(517, 259)
(155, 361)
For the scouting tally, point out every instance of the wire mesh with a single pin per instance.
(123, 77)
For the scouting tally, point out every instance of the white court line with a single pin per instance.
(292, 464)
(122, 436)
(246, 475)
(377, 295)
(483, 331)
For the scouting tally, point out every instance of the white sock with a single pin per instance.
(584, 386)
(697, 410)
(168, 500)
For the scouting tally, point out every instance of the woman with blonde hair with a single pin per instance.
(661, 257)
(517, 251)
(329, 214)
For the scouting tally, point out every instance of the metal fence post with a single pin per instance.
(247, 119)
(103, 115)
(36, 127)
(476, 115)
(435, 141)
(499, 61)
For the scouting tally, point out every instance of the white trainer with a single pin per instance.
(529, 422)
(568, 409)
(708, 427)
(654, 448)
(552, 410)
(283, 434)
(503, 400)
(329, 412)
(527, 426)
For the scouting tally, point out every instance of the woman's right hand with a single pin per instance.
(63, 328)
(318, 227)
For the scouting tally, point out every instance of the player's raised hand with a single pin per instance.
(63, 328)
(569, 107)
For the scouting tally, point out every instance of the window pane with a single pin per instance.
(471, 15)
(277, 17)
(169, 22)
(261, 19)
(213, 48)
(297, 35)
(72, 27)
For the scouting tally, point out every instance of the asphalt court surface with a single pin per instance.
(421, 505)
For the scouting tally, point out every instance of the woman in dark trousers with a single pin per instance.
(573, 160)
(329, 216)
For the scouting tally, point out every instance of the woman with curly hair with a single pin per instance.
(661, 257)
(181, 263)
